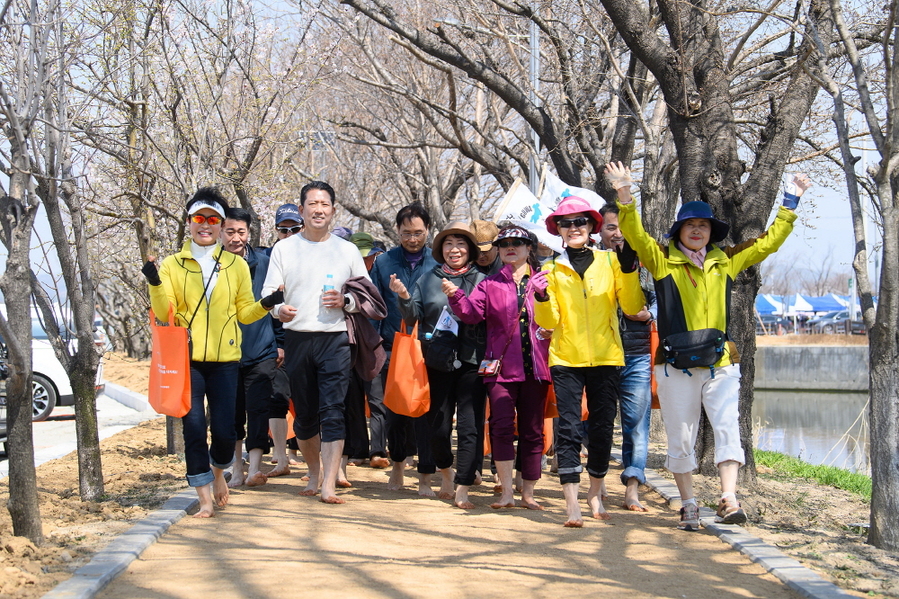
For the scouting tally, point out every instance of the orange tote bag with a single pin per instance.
(653, 348)
(406, 391)
(169, 391)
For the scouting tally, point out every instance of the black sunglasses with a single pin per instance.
(567, 223)
(291, 230)
(505, 243)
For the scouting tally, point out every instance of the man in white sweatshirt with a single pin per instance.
(313, 266)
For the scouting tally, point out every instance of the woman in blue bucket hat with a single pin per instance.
(697, 366)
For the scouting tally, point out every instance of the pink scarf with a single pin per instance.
(697, 257)
(456, 273)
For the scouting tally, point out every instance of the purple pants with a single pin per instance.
(528, 398)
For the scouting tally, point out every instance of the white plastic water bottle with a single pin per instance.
(329, 282)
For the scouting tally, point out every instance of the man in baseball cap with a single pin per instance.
(485, 232)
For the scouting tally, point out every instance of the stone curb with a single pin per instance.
(106, 565)
(792, 573)
(127, 397)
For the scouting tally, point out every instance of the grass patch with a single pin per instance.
(825, 475)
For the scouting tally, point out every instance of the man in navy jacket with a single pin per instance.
(407, 263)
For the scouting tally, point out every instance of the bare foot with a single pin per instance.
(257, 480)
(205, 513)
(279, 471)
(529, 503)
(379, 462)
(460, 499)
(305, 478)
(311, 487)
(446, 484)
(332, 499)
(220, 491)
(497, 489)
(424, 486)
(595, 503)
(237, 480)
(397, 477)
(632, 496)
(501, 504)
(477, 479)
(572, 507)
(344, 483)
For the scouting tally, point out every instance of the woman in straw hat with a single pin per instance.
(453, 351)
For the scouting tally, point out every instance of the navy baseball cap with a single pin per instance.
(288, 212)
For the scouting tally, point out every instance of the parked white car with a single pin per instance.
(49, 379)
(50, 383)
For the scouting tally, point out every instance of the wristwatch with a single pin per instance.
(346, 301)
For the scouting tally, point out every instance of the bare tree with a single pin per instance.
(677, 48)
(27, 40)
(875, 93)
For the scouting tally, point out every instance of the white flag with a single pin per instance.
(446, 322)
(523, 208)
(554, 189)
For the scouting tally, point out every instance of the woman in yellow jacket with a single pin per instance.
(578, 297)
(210, 291)
(693, 279)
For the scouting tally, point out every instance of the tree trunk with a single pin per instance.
(883, 381)
(15, 284)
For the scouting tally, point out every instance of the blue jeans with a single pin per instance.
(217, 383)
(635, 395)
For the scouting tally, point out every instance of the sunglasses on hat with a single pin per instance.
(515, 242)
(567, 223)
(291, 230)
(212, 220)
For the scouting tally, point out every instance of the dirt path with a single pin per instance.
(270, 542)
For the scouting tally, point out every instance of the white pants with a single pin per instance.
(682, 398)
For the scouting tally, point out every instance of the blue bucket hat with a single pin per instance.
(699, 210)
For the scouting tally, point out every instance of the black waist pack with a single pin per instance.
(694, 349)
(443, 351)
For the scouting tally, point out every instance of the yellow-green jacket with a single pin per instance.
(692, 298)
(584, 312)
(215, 332)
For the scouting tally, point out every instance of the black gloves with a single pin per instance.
(152, 273)
(627, 257)
(269, 301)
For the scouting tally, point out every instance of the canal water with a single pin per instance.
(829, 428)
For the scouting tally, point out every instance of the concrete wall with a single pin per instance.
(812, 368)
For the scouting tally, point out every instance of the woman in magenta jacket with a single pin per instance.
(506, 301)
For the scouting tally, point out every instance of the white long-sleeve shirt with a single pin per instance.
(302, 267)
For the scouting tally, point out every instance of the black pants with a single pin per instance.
(377, 421)
(461, 392)
(356, 444)
(601, 385)
(319, 368)
(254, 393)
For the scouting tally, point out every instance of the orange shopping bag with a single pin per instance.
(169, 391)
(406, 391)
(551, 410)
(653, 348)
